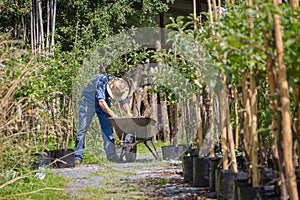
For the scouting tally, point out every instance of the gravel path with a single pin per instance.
(146, 178)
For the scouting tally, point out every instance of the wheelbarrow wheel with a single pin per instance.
(130, 154)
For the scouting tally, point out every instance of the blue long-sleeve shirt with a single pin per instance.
(101, 90)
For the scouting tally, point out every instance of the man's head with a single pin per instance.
(118, 89)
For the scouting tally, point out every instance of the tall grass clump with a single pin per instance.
(34, 116)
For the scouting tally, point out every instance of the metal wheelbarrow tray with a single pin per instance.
(132, 131)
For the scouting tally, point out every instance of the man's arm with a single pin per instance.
(127, 109)
(103, 105)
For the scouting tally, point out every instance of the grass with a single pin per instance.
(115, 184)
(94, 153)
(142, 149)
(51, 187)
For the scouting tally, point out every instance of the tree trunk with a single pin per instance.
(187, 137)
(297, 121)
(199, 115)
(295, 4)
(174, 124)
(211, 21)
(253, 129)
(285, 111)
(195, 14)
(212, 125)
(215, 9)
(253, 139)
(224, 139)
(24, 25)
(297, 109)
(230, 141)
(154, 113)
(165, 119)
(179, 123)
(53, 25)
(274, 128)
(37, 35)
(145, 101)
(246, 114)
(48, 24)
(41, 25)
(224, 147)
(236, 119)
(137, 102)
(32, 27)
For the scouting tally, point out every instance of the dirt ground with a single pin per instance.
(146, 178)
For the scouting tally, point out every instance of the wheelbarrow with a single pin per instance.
(132, 131)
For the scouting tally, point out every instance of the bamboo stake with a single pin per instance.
(215, 9)
(53, 24)
(41, 25)
(32, 28)
(37, 35)
(48, 24)
(211, 22)
(195, 14)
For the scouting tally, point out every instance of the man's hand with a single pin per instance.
(129, 114)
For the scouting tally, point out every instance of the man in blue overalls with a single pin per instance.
(96, 99)
(110, 87)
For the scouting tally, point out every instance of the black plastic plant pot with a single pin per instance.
(187, 163)
(201, 168)
(267, 192)
(43, 159)
(169, 152)
(243, 190)
(64, 158)
(225, 183)
(130, 154)
(181, 150)
(214, 165)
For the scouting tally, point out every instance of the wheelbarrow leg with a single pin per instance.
(155, 156)
(122, 154)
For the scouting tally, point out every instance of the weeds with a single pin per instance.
(29, 123)
(30, 187)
